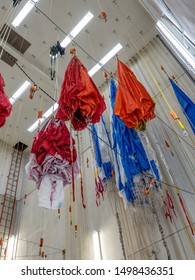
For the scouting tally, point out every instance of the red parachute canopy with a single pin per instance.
(133, 104)
(80, 99)
(5, 105)
(54, 138)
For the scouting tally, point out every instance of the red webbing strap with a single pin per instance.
(73, 187)
(101, 187)
(184, 209)
(167, 213)
(82, 193)
(97, 193)
(170, 203)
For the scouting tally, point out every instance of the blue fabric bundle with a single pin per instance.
(130, 150)
(102, 147)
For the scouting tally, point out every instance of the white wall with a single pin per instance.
(5, 162)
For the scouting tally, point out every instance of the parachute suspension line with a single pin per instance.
(40, 112)
(181, 107)
(168, 206)
(41, 244)
(99, 5)
(6, 15)
(56, 94)
(185, 212)
(175, 80)
(80, 163)
(172, 113)
(4, 142)
(17, 122)
(98, 182)
(6, 29)
(175, 186)
(72, 162)
(160, 229)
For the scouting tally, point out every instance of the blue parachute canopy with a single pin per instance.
(188, 107)
(127, 145)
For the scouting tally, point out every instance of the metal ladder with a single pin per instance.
(8, 205)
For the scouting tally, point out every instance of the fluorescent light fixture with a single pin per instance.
(97, 246)
(19, 92)
(50, 110)
(96, 68)
(24, 12)
(84, 21)
(105, 59)
(48, 113)
(176, 44)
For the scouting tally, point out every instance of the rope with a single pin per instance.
(99, 5)
(6, 29)
(4, 38)
(182, 110)
(158, 241)
(17, 121)
(175, 186)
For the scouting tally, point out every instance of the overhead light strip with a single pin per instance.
(84, 21)
(23, 13)
(180, 49)
(19, 92)
(94, 70)
(105, 59)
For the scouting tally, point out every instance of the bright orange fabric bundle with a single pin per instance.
(133, 104)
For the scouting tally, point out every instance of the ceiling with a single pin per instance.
(181, 13)
(127, 22)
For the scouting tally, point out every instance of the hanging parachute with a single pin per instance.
(133, 105)
(130, 158)
(80, 100)
(51, 165)
(5, 105)
(187, 105)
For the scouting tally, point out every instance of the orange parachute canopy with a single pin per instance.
(133, 104)
(80, 101)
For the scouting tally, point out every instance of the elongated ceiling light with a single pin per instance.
(84, 21)
(105, 59)
(97, 67)
(23, 13)
(19, 92)
(48, 113)
(180, 49)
